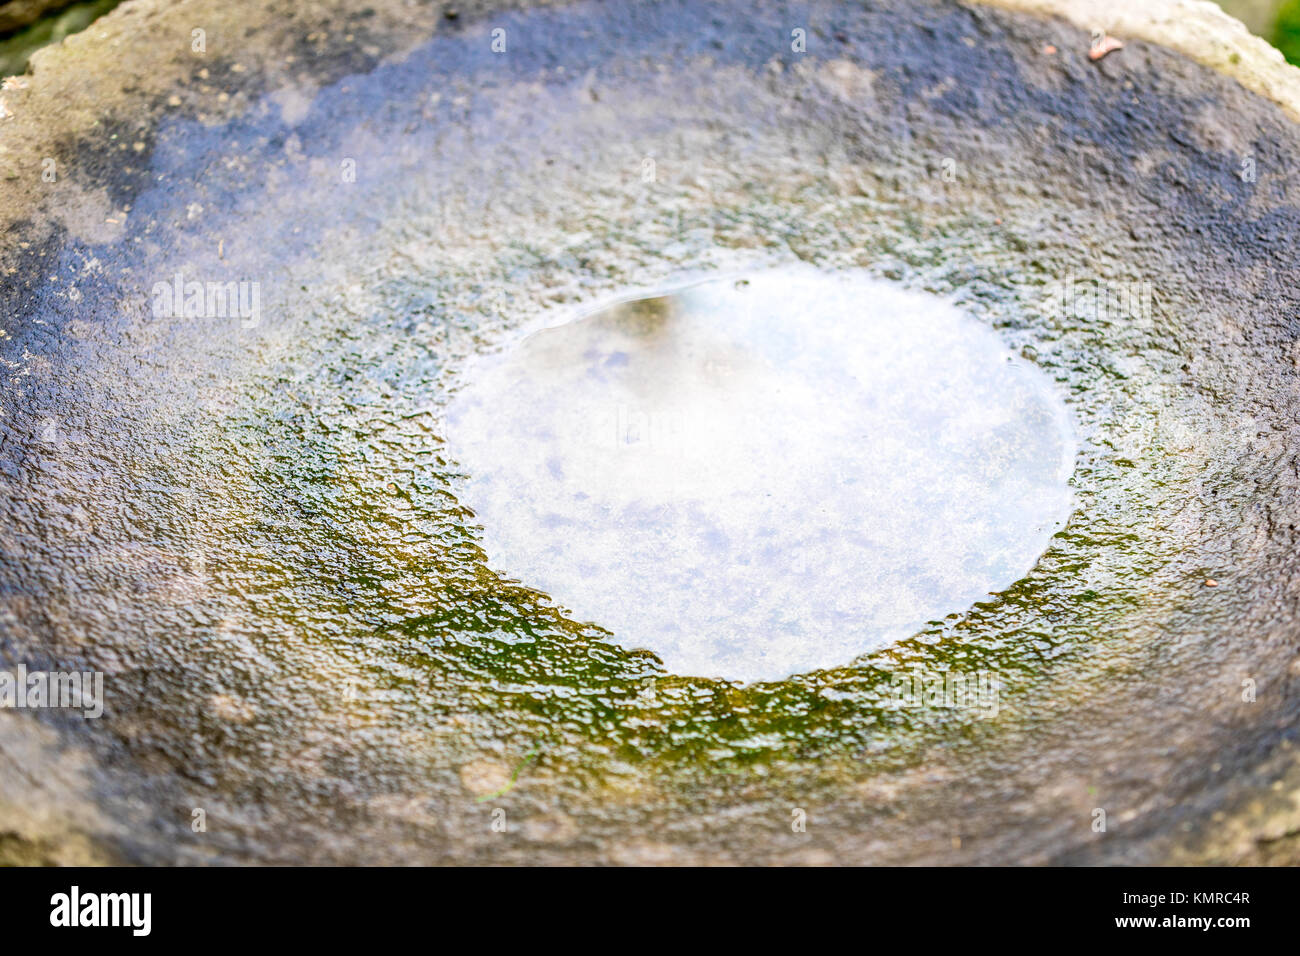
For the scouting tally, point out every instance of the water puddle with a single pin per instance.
(763, 476)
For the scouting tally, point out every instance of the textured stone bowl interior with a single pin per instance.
(253, 530)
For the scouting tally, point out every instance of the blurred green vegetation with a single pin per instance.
(1286, 32)
(16, 49)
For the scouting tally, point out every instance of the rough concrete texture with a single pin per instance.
(1196, 28)
(249, 522)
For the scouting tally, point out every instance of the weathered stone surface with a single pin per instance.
(252, 529)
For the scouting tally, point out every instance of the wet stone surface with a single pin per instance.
(763, 475)
(263, 534)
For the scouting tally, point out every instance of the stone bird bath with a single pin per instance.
(249, 512)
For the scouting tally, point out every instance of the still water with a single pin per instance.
(764, 475)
